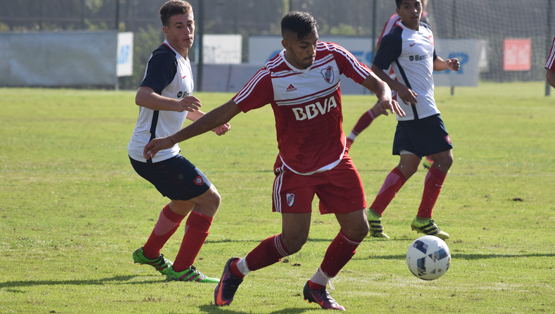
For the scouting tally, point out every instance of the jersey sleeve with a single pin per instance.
(390, 49)
(257, 93)
(349, 65)
(160, 72)
(550, 64)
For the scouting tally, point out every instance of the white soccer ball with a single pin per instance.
(428, 257)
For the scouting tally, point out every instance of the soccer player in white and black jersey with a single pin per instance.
(302, 84)
(165, 100)
(409, 49)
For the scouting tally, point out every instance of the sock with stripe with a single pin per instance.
(338, 254)
(432, 187)
(363, 122)
(165, 227)
(196, 232)
(268, 252)
(392, 184)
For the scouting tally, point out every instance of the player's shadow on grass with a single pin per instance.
(459, 256)
(227, 310)
(12, 285)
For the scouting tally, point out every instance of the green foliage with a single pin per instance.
(72, 210)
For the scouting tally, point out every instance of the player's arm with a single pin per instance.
(449, 64)
(383, 92)
(550, 77)
(148, 98)
(219, 130)
(216, 117)
(406, 94)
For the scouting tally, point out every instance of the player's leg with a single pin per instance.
(363, 122)
(197, 226)
(432, 138)
(292, 196)
(433, 183)
(343, 196)
(394, 181)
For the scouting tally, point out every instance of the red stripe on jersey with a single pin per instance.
(551, 59)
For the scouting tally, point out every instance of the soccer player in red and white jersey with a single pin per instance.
(550, 66)
(302, 84)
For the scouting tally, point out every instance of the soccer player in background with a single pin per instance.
(409, 49)
(165, 100)
(550, 66)
(302, 84)
(366, 119)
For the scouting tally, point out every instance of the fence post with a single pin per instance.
(200, 61)
(548, 40)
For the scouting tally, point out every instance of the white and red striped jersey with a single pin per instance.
(550, 64)
(392, 22)
(306, 105)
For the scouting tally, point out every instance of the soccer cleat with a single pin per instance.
(160, 263)
(375, 222)
(322, 297)
(427, 162)
(429, 227)
(189, 274)
(225, 290)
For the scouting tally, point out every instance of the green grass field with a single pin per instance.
(72, 210)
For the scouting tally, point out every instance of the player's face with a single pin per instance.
(301, 53)
(181, 32)
(410, 13)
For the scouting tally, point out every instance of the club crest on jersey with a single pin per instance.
(328, 75)
(447, 139)
(290, 199)
(198, 180)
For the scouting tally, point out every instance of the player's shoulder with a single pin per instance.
(395, 34)
(426, 26)
(163, 55)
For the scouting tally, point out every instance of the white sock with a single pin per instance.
(320, 278)
(242, 266)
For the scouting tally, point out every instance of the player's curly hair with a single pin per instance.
(301, 23)
(174, 7)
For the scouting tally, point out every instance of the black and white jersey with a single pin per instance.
(411, 54)
(168, 74)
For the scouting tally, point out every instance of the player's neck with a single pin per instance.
(411, 26)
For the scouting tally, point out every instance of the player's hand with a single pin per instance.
(407, 95)
(157, 145)
(453, 64)
(188, 103)
(388, 105)
(222, 129)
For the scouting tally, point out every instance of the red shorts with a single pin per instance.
(339, 190)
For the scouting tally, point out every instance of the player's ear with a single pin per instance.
(166, 31)
(285, 44)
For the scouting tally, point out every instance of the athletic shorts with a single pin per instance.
(339, 190)
(175, 178)
(422, 137)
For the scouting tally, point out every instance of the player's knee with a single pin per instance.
(293, 244)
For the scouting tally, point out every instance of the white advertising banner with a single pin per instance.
(468, 51)
(222, 49)
(125, 54)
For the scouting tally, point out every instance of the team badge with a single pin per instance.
(447, 139)
(290, 199)
(328, 75)
(198, 180)
(431, 39)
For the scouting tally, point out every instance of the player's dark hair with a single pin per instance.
(399, 2)
(300, 23)
(174, 7)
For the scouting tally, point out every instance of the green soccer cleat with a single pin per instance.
(160, 263)
(429, 227)
(189, 274)
(375, 222)
(427, 162)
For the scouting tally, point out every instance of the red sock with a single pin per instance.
(165, 227)
(315, 286)
(338, 254)
(392, 184)
(268, 252)
(235, 270)
(196, 231)
(364, 121)
(432, 186)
